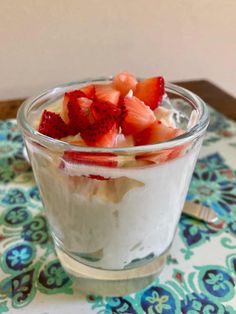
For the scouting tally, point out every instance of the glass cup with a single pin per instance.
(113, 212)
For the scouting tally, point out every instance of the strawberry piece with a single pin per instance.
(137, 116)
(97, 159)
(102, 133)
(102, 109)
(52, 125)
(85, 117)
(157, 132)
(151, 91)
(89, 91)
(71, 97)
(107, 93)
(79, 113)
(68, 98)
(124, 82)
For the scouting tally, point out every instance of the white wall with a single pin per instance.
(46, 42)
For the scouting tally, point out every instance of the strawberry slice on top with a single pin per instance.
(52, 125)
(151, 91)
(102, 133)
(107, 93)
(156, 133)
(89, 91)
(124, 82)
(136, 116)
(102, 109)
(71, 97)
(85, 116)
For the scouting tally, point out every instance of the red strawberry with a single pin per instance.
(137, 116)
(76, 94)
(102, 109)
(86, 117)
(107, 93)
(156, 133)
(79, 113)
(99, 159)
(151, 91)
(70, 97)
(52, 125)
(124, 82)
(102, 133)
(89, 91)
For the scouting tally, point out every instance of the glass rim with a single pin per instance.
(196, 131)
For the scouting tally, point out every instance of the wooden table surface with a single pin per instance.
(212, 94)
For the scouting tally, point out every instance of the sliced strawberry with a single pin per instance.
(151, 91)
(86, 117)
(102, 133)
(97, 159)
(52, 125)
(76, 94)
(107, 93)
(102, 109)
(137, 116)
(124, 82)
(79, 113)
(156, 133)
(70, 97)
(89, 91)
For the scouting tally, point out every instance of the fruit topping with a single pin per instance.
(107, 93)
(102, 109)
(124, 82)
(101, 133)
(122, 113)
(52, 125)
(151, 91)
(80, 116)
(156, 133)
(89, 91)
(70, 97)
(136, 116)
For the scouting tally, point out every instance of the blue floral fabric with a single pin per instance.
(200, 275)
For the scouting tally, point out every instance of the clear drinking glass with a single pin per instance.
(113, 212)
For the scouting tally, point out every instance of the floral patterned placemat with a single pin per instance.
(201, 267)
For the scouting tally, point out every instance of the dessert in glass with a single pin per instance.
(113, 159)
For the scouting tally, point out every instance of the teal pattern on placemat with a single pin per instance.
(30, 270)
